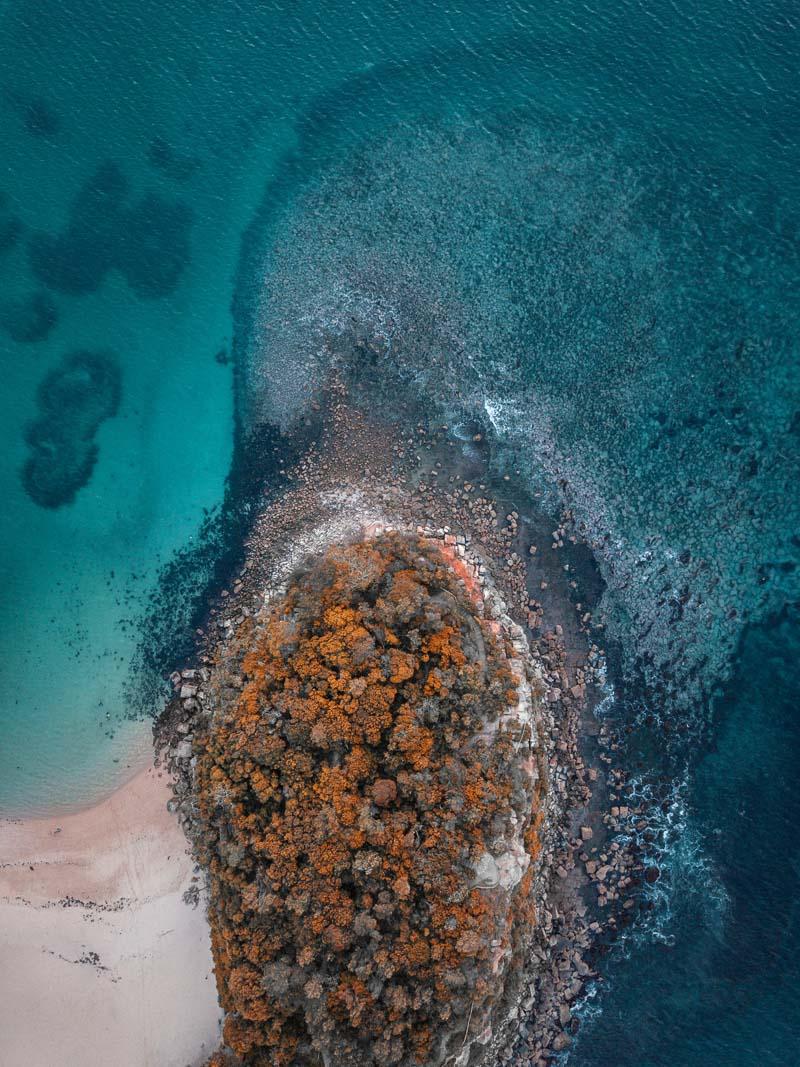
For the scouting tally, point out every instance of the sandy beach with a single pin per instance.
(102, 960)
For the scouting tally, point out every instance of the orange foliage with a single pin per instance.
(344, 797)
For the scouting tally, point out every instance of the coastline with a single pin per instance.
(104, 961)
(107, 776)
(362, 475)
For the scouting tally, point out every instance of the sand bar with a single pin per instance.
(101, 960)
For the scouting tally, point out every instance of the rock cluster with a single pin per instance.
(73, 400)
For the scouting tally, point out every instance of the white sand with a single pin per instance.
(150, 1000)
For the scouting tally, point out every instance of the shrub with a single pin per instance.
(350, 783)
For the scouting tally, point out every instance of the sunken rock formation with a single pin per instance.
(369, 790)
(74, 399)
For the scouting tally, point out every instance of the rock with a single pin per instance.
(486, 872)
(469, 944)
(402, 888)
(485, 1036)
(561, 1041)
(511, 866)
(188, 691)
(586, 833)
(184, 750)
(564, 1015)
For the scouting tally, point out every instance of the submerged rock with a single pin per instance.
(74, 399)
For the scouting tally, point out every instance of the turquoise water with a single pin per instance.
(77, 578)
(577, 225)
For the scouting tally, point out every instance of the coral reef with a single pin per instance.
(148, 242)
(30, 318)
(368, 792)
(73, 399)
(534, 244)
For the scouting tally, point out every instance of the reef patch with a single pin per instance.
(10, 233)
(37, 115)
(73, 399)
(147, 242)
(30, 318)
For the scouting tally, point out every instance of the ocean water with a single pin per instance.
(577, 225)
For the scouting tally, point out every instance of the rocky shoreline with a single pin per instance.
(361, 476)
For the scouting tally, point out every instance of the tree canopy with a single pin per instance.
(353, 786)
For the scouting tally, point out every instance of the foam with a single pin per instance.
(564, 290)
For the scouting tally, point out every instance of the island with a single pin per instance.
(382, 757)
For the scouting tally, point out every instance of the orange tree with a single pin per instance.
(353, 772)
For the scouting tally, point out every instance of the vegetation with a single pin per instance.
(354, 774)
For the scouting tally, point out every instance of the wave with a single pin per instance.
(531, 278)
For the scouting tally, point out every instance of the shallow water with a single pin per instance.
(578, 226)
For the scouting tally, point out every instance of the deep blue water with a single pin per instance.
(577, 224)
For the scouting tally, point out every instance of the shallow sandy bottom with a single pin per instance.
(148, 998)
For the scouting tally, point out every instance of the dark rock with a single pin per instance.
(74, 399)
(28, 319)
